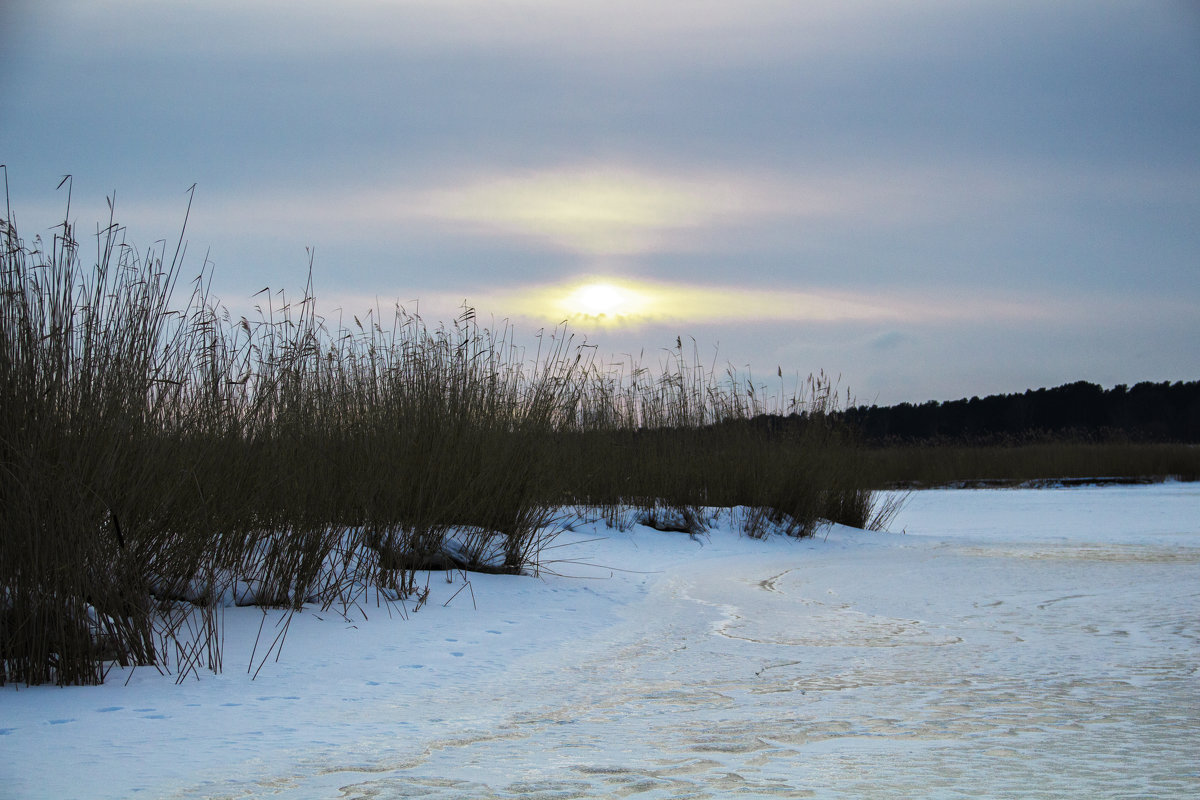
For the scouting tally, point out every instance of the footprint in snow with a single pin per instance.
(60, 721)
(108, 709)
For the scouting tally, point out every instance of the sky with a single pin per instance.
(925, 200)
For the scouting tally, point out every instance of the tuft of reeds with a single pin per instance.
(90, 388)
(161, 461)
(670, 442)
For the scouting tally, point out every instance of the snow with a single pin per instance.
(1033, 643)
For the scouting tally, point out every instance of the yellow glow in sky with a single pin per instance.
(596, 211)
(604, 300)
(611, 301)
(616, 301)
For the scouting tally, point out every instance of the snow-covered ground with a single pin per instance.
(1013, 643)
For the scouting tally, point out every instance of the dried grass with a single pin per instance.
(160, 462)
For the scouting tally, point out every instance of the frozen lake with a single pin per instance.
(1031, 643)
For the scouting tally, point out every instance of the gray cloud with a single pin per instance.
(1044, 154)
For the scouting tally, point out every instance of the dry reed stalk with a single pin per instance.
(156, 454)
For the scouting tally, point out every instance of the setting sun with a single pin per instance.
(602, 300)
(599, 300)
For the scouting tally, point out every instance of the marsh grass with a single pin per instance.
(162, 461)
(949, 464)
(672, 441)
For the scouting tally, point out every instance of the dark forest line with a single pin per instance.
(1081, 411)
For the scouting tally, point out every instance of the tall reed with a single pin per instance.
(161, 460)
(672, 441)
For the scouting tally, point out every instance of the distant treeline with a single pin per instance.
(1145, 412)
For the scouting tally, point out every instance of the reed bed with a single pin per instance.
(1056, 460)
(162, 460)
(671, 442)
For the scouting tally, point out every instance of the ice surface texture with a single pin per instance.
(1031, 643)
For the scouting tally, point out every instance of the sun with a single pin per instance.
(603, 300)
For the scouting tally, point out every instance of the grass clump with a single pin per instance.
(161, 461)
(673, 442)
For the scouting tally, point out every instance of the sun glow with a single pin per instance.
(603, 300)
(623, 302)
(597, 211)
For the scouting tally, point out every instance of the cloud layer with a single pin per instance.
(824, 183)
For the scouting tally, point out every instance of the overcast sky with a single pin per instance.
(930, 199)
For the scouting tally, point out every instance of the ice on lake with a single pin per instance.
(1011, 643)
